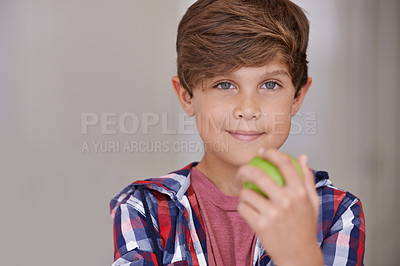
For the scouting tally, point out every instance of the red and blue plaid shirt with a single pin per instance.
(180, 230)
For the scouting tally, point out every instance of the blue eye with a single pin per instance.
(224, 85)
(270, 85)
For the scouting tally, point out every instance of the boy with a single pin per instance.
(242, 72)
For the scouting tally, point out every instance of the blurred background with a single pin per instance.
(86, 107)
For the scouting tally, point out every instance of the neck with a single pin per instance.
(220, 173)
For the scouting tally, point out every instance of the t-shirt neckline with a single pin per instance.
(211, 193)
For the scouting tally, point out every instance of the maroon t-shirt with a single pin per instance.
(230, 240)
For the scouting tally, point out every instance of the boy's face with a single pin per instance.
(241, 111)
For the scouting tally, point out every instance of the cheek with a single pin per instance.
(280, 124)
(278, 116)
(211, 118)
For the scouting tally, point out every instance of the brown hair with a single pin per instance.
(218, 36)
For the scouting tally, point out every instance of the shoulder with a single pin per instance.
(167, 187)
(331, 196)
(341, 225)
(340, 210)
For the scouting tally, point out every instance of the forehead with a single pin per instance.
(272, 69)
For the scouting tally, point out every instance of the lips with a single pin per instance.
(246, 135)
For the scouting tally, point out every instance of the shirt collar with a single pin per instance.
(176, 183)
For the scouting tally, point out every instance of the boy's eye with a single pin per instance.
(270, 85)
(224, 85)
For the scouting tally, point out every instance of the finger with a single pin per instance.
(257, 202)
(251, 211)
(309, 181)
(285, 166)
(249, 214)
(268, 186)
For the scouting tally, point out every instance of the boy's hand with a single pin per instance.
(286, 221)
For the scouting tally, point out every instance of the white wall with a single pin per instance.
(63, 59)
(59, 60)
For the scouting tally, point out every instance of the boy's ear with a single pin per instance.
(298, 101)
(183, 96)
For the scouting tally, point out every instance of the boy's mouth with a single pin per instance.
(245, 135)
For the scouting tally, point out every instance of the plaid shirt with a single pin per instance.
(180, 230)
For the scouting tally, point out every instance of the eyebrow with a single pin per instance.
(277, 73)
(265, 75)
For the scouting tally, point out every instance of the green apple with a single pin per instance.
(271, 170)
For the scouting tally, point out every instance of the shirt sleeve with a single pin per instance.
(132, 244)
(344, 243)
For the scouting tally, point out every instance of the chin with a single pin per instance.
(241, 157)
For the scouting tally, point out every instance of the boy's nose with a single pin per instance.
(248, 108)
